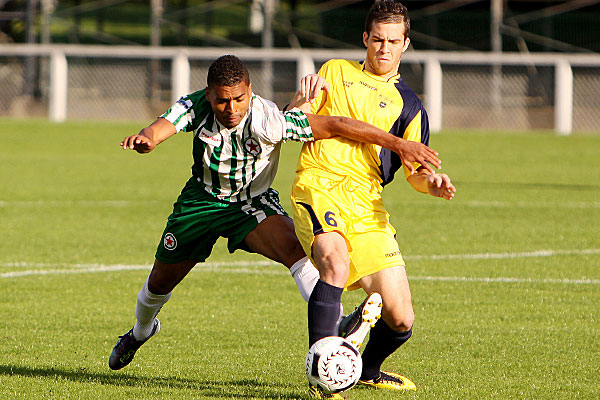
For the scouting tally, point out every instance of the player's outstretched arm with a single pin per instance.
(324, 127)
(150, 137)
(437, 185)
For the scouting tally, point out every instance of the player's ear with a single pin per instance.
(250, 89)
(365, 38)
(406, 44)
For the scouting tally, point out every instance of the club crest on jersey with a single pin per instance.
(170, 242)
(252, 146)
(210, 137)
(384, 101)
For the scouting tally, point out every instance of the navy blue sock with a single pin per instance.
(323, 311)
(383, 341)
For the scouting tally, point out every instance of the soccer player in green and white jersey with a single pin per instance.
(237, 138)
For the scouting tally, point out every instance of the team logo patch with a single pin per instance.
(170, 242)
(252, 146)
(212, 138)
(384, 101)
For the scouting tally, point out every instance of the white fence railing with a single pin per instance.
(459, 89)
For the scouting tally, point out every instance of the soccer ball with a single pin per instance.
(333, 364)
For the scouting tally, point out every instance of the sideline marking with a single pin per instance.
(250, 267)
(265, 263)
(469, 203)
(487, 256)
(254, 271)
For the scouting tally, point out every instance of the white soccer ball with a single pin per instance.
(333, 364)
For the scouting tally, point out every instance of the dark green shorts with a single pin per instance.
(199, 219)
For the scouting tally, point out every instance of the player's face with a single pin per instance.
(385, 44)
(230, 103)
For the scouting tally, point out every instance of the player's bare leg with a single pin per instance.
(330, 253)
(164, 277)
(392, 331)
(275, 238)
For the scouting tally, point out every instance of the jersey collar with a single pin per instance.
(393, 79)
(222, 129)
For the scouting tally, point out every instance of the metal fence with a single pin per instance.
(460, 90)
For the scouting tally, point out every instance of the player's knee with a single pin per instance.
(160, 287)
(334, 273)
(401, 322)
(164, 278)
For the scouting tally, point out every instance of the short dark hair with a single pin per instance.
(388, 12)
(227, 71)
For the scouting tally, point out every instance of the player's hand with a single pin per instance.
(411, 152)
(139, 143)
(439, 185)
(311, 85)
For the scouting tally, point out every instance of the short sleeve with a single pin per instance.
(189, 111)
(180, 114)
(297, 127)
(276, 126)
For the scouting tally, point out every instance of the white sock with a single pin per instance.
(147, 308)
(306, 276)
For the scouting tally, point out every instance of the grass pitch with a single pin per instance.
(505, 277)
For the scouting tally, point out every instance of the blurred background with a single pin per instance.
(477, 64)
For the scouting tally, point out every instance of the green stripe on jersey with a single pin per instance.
(235, 147)
(297, 119)
(215, 161)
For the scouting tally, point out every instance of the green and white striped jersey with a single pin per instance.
(239, 163)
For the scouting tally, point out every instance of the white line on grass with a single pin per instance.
(71, 203)
(252, 267)
(471, 203)
(531, 204)
(486, 256)
(256, 271)
(265, 263)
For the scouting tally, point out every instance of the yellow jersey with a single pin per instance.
(388, 104)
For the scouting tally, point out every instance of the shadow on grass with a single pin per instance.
(242, 388)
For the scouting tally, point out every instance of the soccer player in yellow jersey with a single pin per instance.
(338, 210)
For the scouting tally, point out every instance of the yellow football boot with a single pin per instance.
(314, 392)
(390, 380)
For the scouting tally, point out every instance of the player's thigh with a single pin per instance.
(330, 254)
(372, 251)
(192, 228)
(275, 238)
(317, 210)
(392, 284)
(248, 224)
